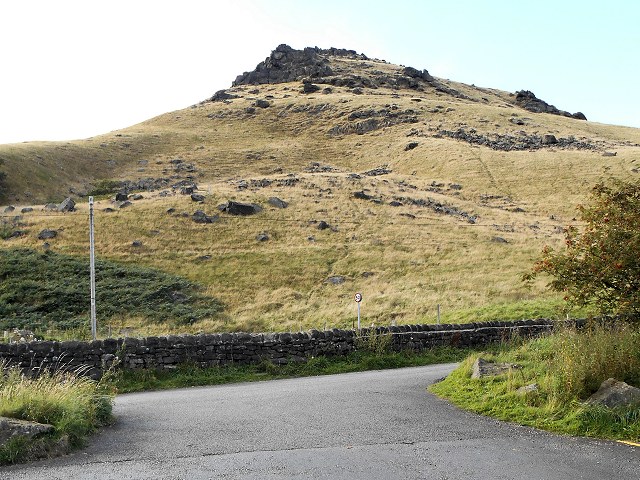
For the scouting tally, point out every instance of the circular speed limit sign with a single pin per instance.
(358, 297)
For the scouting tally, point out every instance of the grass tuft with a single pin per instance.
(74, 405)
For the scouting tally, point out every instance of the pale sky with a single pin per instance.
(75, 69)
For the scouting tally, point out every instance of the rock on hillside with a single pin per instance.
(529, 101)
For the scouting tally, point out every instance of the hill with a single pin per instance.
(433, 192)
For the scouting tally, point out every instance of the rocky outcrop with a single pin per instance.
(527, 100)
(509, 143)
(313, 64)
(286, 64)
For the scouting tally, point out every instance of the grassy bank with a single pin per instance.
(75, 406)
(567, 368)
(189, 376)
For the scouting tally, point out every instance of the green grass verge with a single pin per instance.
(74, 405)
(567, 367)
(190, 376)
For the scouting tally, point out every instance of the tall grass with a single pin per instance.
(74, 405)
(567, 367)
(584, 359)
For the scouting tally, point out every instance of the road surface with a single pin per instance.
(371, 425)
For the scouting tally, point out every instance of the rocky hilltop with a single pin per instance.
(347, 68)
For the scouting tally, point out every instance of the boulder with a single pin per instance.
(196, 197)
(260, 103)
(121, 197)
(308, 87)
(613, 393)
(67, 205)
(362, 195)
(124, 204)
(237, 208)
(200, 217)
(222, 95)
(549, 139)
(9, 209)
(26, 210)
(137, 196)
(11, 428)
(499, 240)
(47, 234)
(322, 225)
(336, 280)
(262, 237)
(411, 146)
(277, 203)
(484, 368)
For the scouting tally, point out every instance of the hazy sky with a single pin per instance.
(74, 69)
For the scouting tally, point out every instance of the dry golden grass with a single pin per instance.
(404, 266)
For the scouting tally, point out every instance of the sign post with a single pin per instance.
(92, 270)
(358, 299)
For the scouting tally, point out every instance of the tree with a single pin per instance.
(601, 265)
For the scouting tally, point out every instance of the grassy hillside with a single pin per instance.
(471, 218)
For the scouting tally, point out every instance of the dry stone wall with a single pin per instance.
(244, 348)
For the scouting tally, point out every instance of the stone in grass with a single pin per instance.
(613, 393)
(11, 428)
(197, 197)
(277, 203)
(201, 217)
(47, 234)
(262, 237)
(499, 240)
(484, 368)
(527, 389)
(336, 280)
(67, 205)
(237, 208)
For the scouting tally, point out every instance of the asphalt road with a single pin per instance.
(372, 425)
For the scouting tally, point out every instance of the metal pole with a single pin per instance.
(358, 315)
(92, 269)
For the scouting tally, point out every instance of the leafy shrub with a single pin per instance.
(601, 265)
